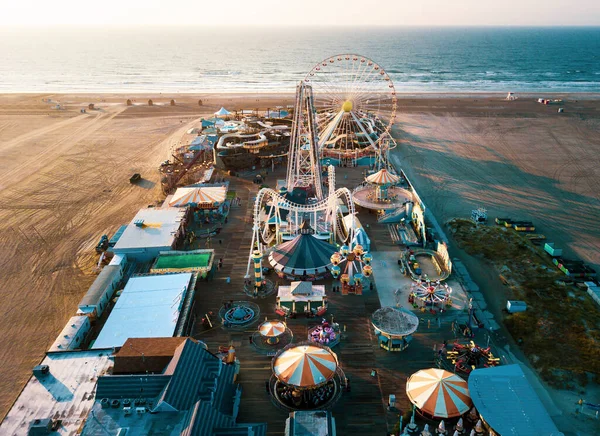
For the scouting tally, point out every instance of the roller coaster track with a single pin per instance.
(327, 207)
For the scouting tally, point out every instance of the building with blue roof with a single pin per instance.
(508, 404)
(150, 306)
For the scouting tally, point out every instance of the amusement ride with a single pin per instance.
(355, 103)
(344, 110)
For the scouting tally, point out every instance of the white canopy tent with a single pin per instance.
(222, 112)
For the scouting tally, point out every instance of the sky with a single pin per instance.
(35, 13)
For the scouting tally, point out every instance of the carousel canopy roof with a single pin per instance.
(383, 177)
(439, 393)
(395, 321)
(303, 254)
(200, 195)
(272, 329)
(305, 366)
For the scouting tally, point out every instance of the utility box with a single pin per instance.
(392, 401)
(41, 370)
(40, 427)
(551, 250)
(514, 306)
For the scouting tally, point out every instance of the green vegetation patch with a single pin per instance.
(561, 327)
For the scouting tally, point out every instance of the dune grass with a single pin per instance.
(561, 327)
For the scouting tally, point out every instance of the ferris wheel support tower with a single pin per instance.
(304, 168)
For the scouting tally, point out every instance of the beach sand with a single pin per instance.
(64, 181)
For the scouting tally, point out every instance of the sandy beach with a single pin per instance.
(64, 181)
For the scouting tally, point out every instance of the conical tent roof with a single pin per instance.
(272, 329)
(439, 393)
(221, 112)
(383, 177)
(208, 195)
(305, 366)
(303, 254)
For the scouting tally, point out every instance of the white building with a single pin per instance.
(64, 393)
(150, 232)
(72, 335)
(96, 298)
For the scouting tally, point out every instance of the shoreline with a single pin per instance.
(291, 94)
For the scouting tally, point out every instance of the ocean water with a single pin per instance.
(204, 59)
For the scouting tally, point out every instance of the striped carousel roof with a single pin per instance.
(304, 253)
(272, 329)
(383, 177)
(305, 366)
(439, 393)
(200, 195)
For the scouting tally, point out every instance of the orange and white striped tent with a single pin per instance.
(305, 366)
(383, 177)
(272, 329)
(439, 393)
(201, 196)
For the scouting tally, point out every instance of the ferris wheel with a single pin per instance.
(355, 104)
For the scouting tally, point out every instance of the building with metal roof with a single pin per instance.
(151, 231)
(507, 402)
(99, 293)
(63, 393)
(73, 334)
(194, 396)
(310, 423)
(149, 307)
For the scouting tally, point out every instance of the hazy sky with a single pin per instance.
(301, 12)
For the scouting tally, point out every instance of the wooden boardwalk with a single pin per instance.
(362, 410)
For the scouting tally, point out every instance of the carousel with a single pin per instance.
(305, 257)
(437, 393)
(394, 327)
(380, 191)
(352, 266)
(271, 336)
(306, 376)
(208, 202)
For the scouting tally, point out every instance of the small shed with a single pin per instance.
(91, 106)
(514, 306)
(150, 102)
